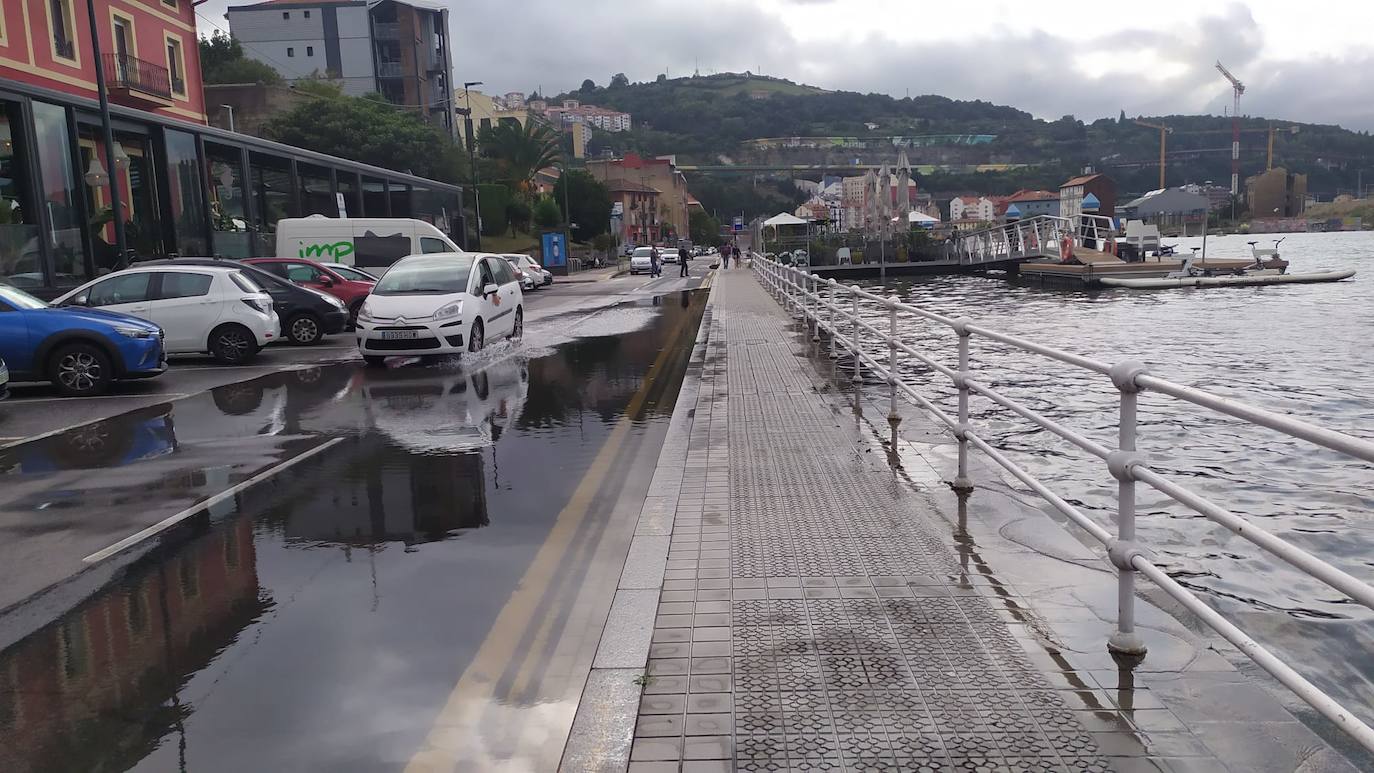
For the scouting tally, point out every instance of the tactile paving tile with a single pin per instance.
(827, 673)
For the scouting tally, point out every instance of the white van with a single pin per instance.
(365, 242)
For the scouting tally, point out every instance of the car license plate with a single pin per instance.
(394, 335)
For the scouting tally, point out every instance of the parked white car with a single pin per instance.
(640, 260)
(210, 309)
(445, 303)
(529, 265)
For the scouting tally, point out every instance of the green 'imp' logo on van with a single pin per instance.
(335, 251)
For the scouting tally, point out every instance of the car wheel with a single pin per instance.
(518, 332)
(233, 344)
(304, 329)
(374, 361)
(80, 370)
(475, 340)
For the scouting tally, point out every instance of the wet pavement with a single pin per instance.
(416, 578)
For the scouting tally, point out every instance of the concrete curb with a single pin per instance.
(604, 725)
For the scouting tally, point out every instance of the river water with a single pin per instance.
(1299, 349)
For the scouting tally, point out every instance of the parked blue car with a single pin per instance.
(80, 350)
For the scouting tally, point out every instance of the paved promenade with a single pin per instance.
(812, 618)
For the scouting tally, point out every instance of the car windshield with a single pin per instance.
(426, 275)
(19, 299)
(643, 252)
(352, 274)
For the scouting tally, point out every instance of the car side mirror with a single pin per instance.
(80, 300)
(490, 289)
(326, 280)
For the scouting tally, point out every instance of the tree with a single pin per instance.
(222, 61)
(546, 214)
(589, 206)
(588, 86)
(370, 129)
(619, 80)
(518, 214)
(519, 152)
(702, 228)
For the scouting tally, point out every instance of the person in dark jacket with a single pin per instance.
(655, 263)
(683, 256)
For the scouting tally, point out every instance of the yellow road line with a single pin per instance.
(458, 724)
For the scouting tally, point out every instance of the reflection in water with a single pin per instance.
(73, 691)
(320, 620)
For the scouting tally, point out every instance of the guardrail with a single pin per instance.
(829, 307)
(127, 72)
(1033, 237)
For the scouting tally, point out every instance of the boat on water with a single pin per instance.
(1267, 268)
(1230, 280)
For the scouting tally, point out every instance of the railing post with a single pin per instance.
(834, 331)
(854, 310)
(893, 417)
(962, 481)
(1125, 641)
(813, 281)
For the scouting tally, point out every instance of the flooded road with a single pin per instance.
(424, 591)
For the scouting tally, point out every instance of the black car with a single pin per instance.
(307, 316)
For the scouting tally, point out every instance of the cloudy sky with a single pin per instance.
(1308, 60)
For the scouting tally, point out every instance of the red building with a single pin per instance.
(149, 51)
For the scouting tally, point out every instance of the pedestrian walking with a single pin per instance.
(683, 256)
(655, 264)
(735, 249)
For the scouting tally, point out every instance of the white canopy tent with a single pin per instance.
(783, 218)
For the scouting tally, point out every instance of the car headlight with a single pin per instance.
(338, 304)
(135, 332)
(451, 310)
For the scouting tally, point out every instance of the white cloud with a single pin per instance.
(1303, 61)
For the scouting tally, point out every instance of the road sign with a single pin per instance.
(739, 224)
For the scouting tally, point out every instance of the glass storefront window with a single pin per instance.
(317, 192)
(228, 205)
(400, 200)
(348, 187)
(186, 192)
(57, 188)
(20, 254)
(137, 197)
(270, 181)
(374, 198)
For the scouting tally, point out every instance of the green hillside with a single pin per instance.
(704, 120)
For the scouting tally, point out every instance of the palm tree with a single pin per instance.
(519, 152)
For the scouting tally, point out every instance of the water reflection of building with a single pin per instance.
(96, 689)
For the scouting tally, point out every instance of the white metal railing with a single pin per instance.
(1043, 236)
(831, 308)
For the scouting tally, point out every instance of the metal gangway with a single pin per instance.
(867, 326)
(1032, 238)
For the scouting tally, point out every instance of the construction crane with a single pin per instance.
(1164, 131)
(1238, 88)
(1269, 164)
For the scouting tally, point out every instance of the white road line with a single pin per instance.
(151, 395)
(167, 523)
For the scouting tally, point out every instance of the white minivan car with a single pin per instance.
(210, 309)
(370, 243)
(444, 303)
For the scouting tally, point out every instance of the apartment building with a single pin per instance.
(398, 48)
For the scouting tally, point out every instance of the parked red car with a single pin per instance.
(348, 284)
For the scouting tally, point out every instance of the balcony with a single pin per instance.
(136, 82)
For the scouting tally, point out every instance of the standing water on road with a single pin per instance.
(1299, 350)
(427, 592)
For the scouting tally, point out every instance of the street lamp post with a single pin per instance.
(116, 210)
(472, 160)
